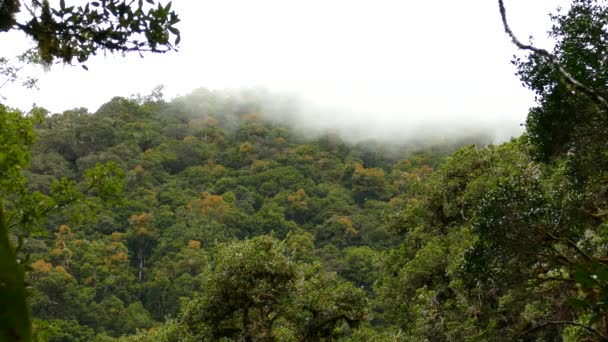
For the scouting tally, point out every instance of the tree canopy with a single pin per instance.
(68, 33)
(201, 219)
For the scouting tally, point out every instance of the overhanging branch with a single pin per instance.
(585, 327)
(567, 77)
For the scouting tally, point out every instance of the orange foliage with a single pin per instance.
(251, 117)
(211, 121)
(64, 232)
(348, 225)
(57, 251)
(212, 205)
(396, 201)
(139, 219)
(63, 271)
(138, 169)
(299, 199)
(194, 244)
(42, 266)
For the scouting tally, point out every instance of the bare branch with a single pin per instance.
(569, 79)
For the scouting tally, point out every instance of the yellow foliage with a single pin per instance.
(119, 257)
(189, 139)
(116, 237)
(279, 140)
(194, 244)
(258, 165)
(218, 170)
(138, 169)
(148, 152)
(403, 165)
(246, 147)
(308, 158)
(371, 172)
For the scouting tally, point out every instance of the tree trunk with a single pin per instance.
(15, 323)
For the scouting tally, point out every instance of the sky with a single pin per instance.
(386, 67)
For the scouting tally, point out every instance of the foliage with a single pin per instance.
(237, 228)
(109, 265)
(67, 32)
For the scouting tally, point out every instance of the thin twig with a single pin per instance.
(542, 325)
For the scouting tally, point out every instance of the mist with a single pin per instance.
(393, 71)
(390, 123)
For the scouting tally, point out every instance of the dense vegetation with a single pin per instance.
(199, 219)
(248, 227)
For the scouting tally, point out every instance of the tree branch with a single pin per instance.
(569, 79)
(542, 325)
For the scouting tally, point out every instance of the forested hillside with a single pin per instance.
(205, 218)
(213, 222)
(232, 223)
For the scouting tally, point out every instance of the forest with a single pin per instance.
(204, 218)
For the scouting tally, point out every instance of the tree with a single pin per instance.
(256, 291)
(64, 33)
(368, 183)
(244, 292)
(77, 32)
(23, 212)
(570, 84)
(567, 129)
(17, 137)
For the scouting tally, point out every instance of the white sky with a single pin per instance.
(383, 64)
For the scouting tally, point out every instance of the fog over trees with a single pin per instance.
(255, 215)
